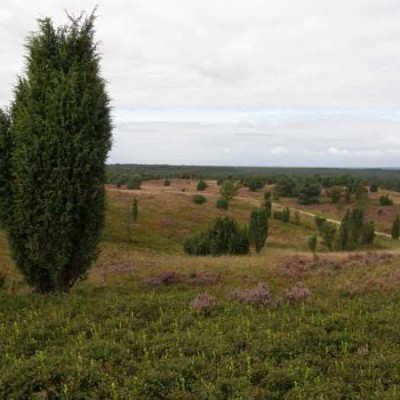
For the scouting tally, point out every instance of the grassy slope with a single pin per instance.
(117, 336)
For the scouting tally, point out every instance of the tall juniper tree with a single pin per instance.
(60, 134)
(258, 228)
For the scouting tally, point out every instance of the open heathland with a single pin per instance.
(150, 322)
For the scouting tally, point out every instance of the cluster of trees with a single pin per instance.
(353, 231)
(256, 177)
(53, 146)
(226, 236)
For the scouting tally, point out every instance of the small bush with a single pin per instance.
(134, 183)
(222, 204)
(385, 200)
(277, 215)
(285, 216)
(202, 302)
(297, 293)
(202, 185)
(199, 199)
(2, 279)
(259, 295)
(167, 182)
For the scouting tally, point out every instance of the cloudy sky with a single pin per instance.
(238, 82)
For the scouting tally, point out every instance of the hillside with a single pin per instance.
(284, 324)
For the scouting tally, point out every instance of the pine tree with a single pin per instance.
(135, 210)
(396, 228)
(258, 228)
(61, 134)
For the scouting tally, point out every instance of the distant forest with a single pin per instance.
(121, 174)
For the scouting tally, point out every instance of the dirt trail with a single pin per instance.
(309, 214)
(248, 199)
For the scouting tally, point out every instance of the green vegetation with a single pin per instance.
(152, 322)
(396, 228)
(385, 200)
(199, 199)
(258, 228)
(222, 204)
(134, 183)
(202, 185)
(312, 243)
(226, 236)
(54, 150)
(229, 190)
(135, 209)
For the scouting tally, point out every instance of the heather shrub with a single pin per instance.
(297, 294)
(199, 199)
(222, 204)
(202, 302)
(164, 278)
(260, 294)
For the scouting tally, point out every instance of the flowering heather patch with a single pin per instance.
(202, 301)
(297, 293)
(259, 295)
(204, 278)
(165, 278)
(294, 266)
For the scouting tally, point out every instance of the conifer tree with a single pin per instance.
(396, 228)
(60, 133)
(258, 228)
(135, 210)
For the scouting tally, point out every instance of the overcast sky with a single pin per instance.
(238, 82)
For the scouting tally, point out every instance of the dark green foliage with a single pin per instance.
(229, 190)
(368, 233)
(374, 187)
(308, 193)
(222, 203)
(385, 200)
(334, 193)
(61, 134)
(134, 183)
(258, 228)
(254, 183)
(267, 195)
(327, 231)
(285, 216)
(396, 228)
(352, 230)
(202, 185)
(277, 214)
(167, 182)
(225, 237)
(361, 194)
(135, 209)
(312, 243)
(285, 187)
(268, 206)
(6, 149)
(347, 195)
(199, 199)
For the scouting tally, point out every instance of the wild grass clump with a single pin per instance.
(199, 199)
(260, 294)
